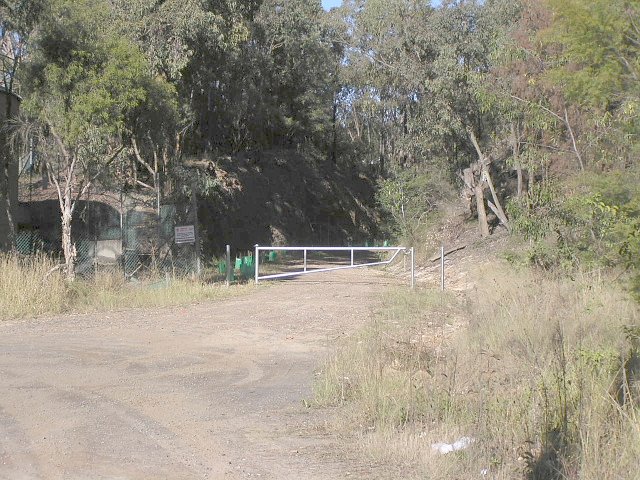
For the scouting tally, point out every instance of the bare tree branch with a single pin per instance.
(564, 120)
(573, 140)
(485, 175)
(136, 152)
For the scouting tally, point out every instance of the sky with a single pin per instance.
(327, 4)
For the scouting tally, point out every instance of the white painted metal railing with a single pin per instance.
(395, 251)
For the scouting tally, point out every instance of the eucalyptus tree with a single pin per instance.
(186, 44)
(248, 74)
(281, 86)
(386, 61)
(82, 85)
(597, 68)
(413, 69)
(415, 63)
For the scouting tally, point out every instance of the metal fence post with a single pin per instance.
(442, 267)
(352, 257)
(228, 261)
(256, 262)
(123, 238)
(305, 259)
(194, 207)
(413, 269)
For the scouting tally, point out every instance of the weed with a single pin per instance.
(33, 286)
(541, 370)
(30, 286)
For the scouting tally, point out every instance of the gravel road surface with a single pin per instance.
(214, 390)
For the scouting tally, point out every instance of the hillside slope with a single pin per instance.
(286, 197)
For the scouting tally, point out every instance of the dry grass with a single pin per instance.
(529, 365)
(32, 286)
(109, 291)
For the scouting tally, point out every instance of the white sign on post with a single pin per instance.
(185, 234)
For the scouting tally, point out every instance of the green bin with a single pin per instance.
(273, 256)
(247, 271)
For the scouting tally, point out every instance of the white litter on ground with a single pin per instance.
(460, 444)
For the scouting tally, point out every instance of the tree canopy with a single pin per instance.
(517, 104)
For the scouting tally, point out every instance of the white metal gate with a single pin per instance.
(394, 251)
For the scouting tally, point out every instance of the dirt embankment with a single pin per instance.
(286, 197)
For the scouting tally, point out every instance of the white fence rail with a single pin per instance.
(394, 251)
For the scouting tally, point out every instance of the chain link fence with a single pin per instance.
(128, 235)
(161, 242)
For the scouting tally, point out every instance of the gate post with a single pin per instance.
(228, 265)
(256, 262)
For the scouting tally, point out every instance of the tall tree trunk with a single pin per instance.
(67, 204)
(5, 181)
(381, 154)
(334, 143)
(5, 190)
(68, 248)
(520, 180)
(573, 140)
(66, 198)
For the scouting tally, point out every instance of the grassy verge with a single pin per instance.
(543, 373)
(32, 286)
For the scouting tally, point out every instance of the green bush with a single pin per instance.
(542, 370)
(592, 222)
(408, 198)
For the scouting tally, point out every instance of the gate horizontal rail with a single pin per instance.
(306, 271)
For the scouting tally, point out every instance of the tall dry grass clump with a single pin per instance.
(110, 291)
(30, 286)
(553, 365)
(542, 372)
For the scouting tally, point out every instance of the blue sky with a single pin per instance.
(327, 4)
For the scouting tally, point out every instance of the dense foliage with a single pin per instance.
(529, 108)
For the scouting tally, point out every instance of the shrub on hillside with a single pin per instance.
(408, 198)
(592, 222)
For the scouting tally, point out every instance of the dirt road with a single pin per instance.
(207, 391)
